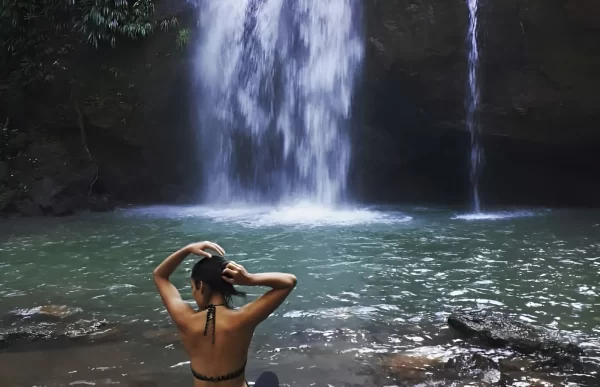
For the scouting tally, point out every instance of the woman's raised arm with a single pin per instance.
(178, 310)
(281, 285)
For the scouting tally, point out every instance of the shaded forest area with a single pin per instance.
(65, 66)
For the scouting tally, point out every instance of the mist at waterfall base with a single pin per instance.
(275, 85)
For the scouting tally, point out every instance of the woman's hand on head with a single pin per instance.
(200, 247)
(235, 274)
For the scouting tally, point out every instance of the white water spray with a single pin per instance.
(473, 102)
(275, 89)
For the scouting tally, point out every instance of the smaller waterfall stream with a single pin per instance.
(473, 103)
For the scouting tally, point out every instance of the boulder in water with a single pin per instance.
(44, 313)
(498, 330)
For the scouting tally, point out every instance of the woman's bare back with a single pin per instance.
(227, 355)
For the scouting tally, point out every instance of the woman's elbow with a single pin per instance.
(156, 274)
(293, 281)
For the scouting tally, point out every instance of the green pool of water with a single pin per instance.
(370, 282)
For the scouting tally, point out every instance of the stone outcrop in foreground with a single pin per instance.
(498, 330)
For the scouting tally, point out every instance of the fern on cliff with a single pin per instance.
(105, 20)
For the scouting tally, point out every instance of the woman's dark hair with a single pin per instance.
(209, 271)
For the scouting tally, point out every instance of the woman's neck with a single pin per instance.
(216, 299)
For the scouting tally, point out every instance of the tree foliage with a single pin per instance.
(105, 20)
(34, 33)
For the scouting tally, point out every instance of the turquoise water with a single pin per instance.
(370, 282)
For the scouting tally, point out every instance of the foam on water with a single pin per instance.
(494, 215)
(300, 214)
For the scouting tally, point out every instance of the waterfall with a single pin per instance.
(473, 102)
(275, 83)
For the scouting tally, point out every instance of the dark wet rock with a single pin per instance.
(6, 197)
(101, 203)
(516, 364)
(44, 191)
(16, 143)
(498, 330)
(64, 207)
(29, 208)
(365, 370)
(537, 107)
(3, 171)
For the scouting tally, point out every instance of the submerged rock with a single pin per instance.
(407, 369)
(47, 311)
(475, 366)
(498, 330)
(34, 334)
(404, 367)
(53, 314)
(162, 336)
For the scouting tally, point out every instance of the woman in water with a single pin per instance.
(217, 337)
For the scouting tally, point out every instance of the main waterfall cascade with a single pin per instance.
(473, 102)
(275, 84)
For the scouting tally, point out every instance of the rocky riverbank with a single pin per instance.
(485, 349)
(497, 351)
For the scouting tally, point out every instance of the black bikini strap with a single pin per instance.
(211, 315)
(229, 376)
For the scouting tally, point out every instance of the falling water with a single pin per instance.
(275, 89)
(473, 102)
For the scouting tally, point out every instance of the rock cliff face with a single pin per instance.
(540, 113)
(114, 125)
